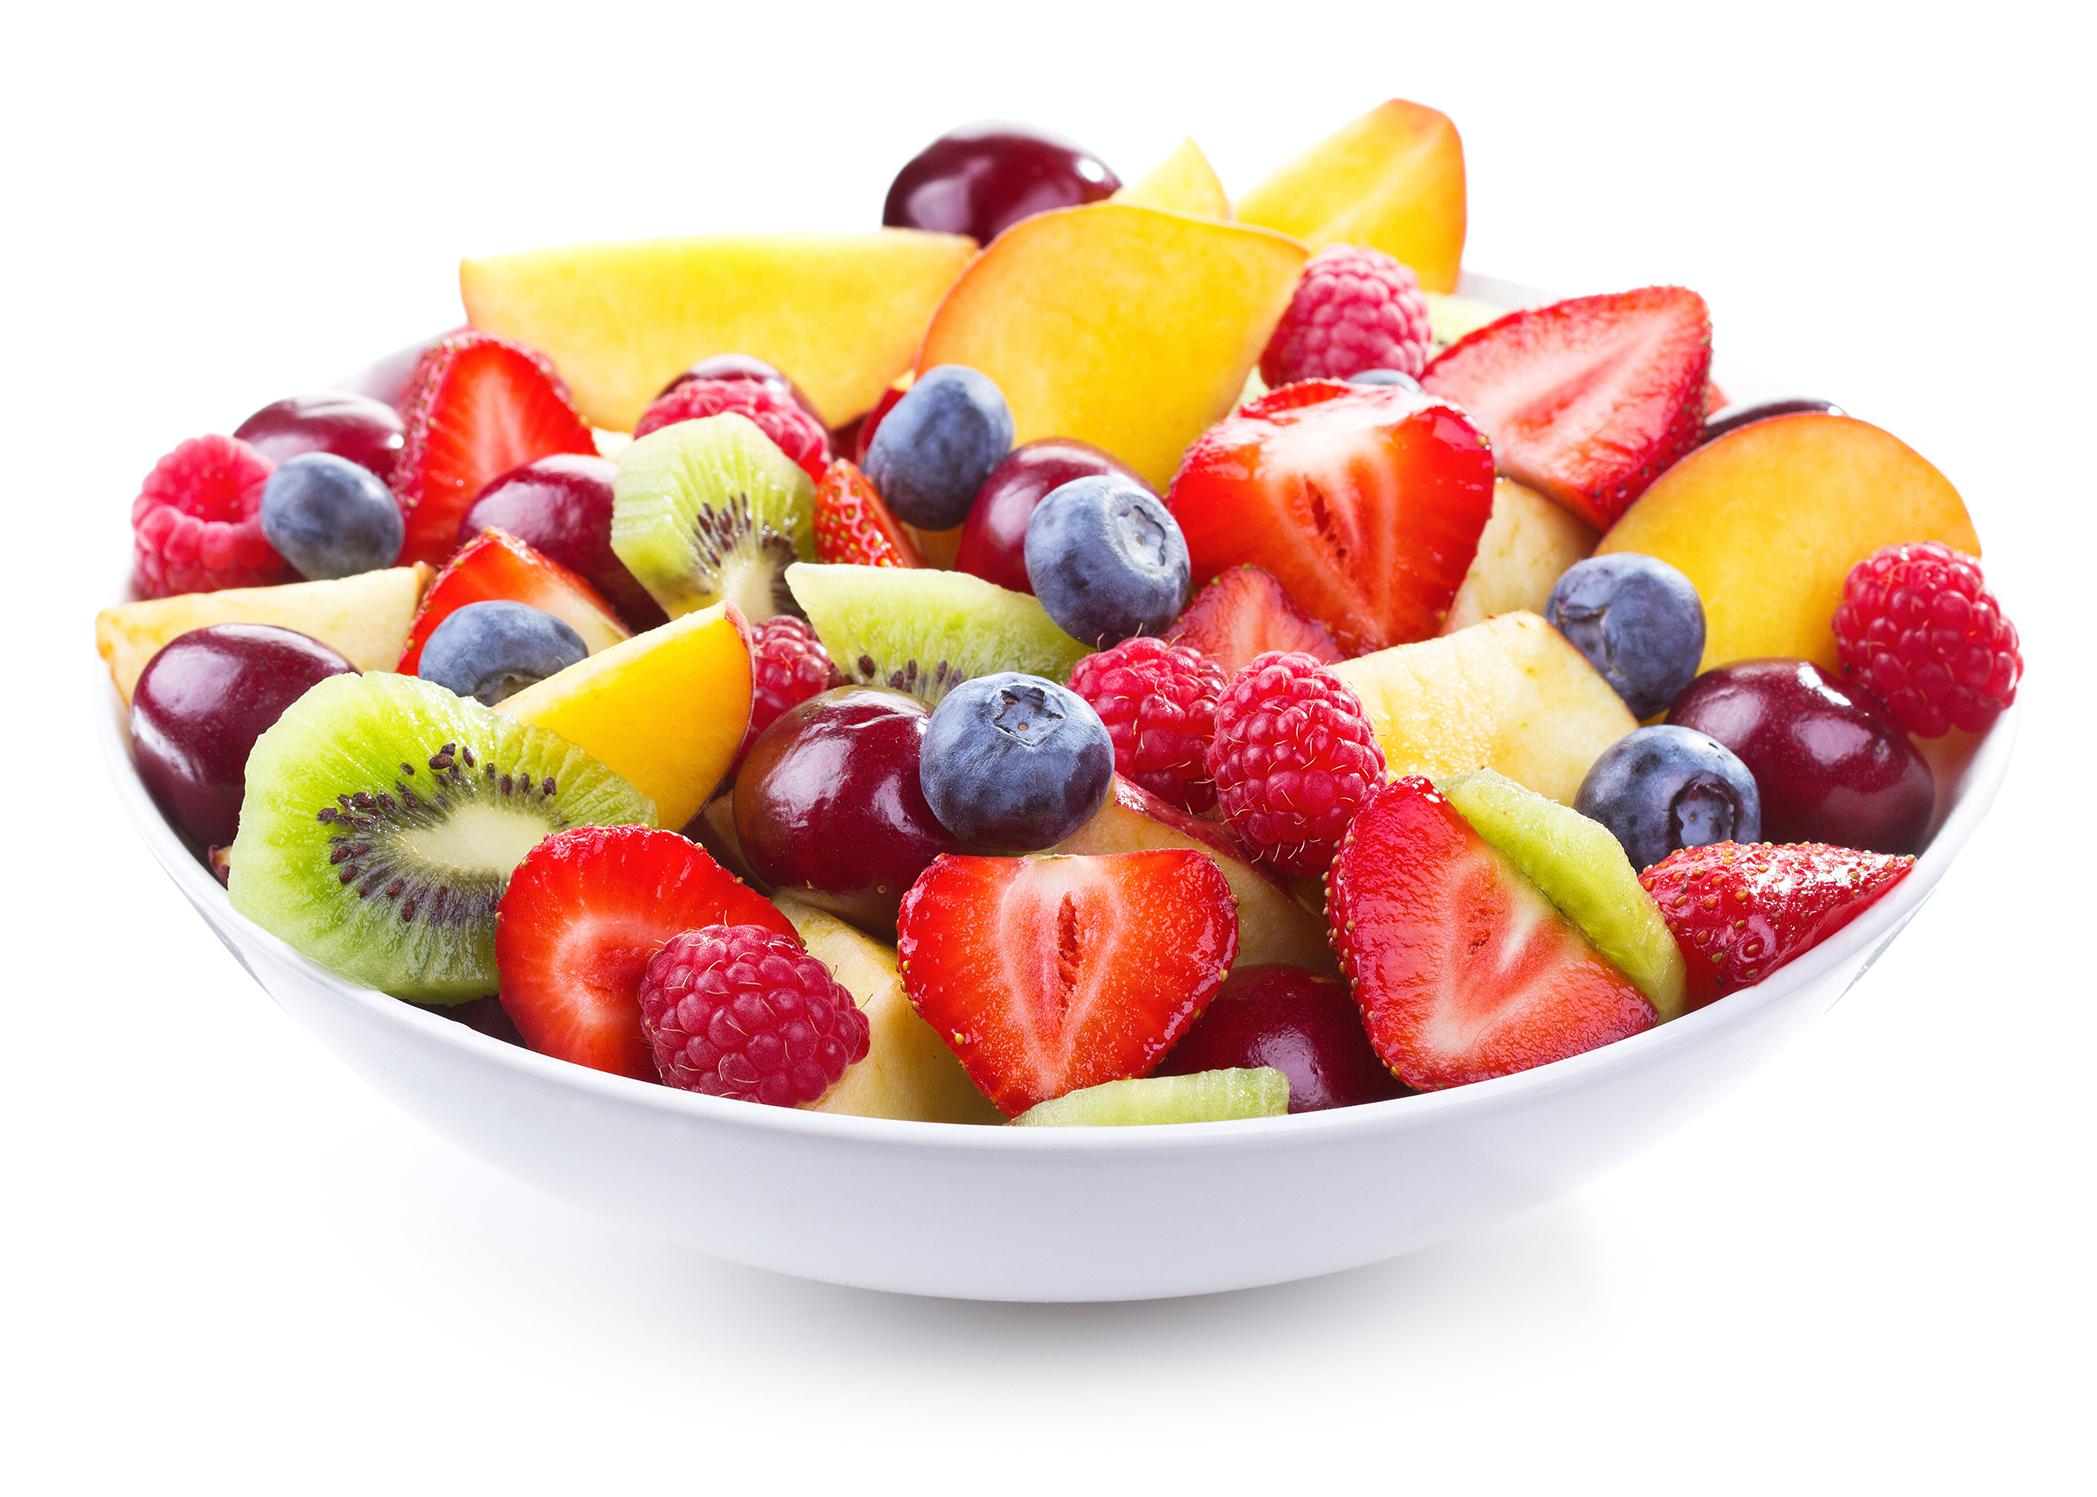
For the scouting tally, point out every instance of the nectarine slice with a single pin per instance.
(1768, 520)
(1183, 182)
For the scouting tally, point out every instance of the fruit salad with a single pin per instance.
(1084, 652)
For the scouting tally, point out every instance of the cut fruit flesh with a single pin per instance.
(1183, 182)
(496, 565)
(1204, 1097)
(1525, 548)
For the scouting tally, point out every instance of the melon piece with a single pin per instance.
(1200, 1097)
(1183, 182)
(1527, 544)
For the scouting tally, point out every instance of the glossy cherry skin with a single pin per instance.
(1746, 413)
(733, 366)
(1303, 1025)
(994, 537)
(828, 806)
(562, 506)
(198, 708)
(981, 179)
(1830, 761)
(367, 432)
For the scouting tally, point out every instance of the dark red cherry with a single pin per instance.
(1829, 759)
(828, 807)
(562, 506)
(198, 708)
(1303, 1025)
(994, 537)
(983, 178)
(733, 366)
(1746, 413)
(367, 432)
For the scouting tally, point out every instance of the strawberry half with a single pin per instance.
(1244, 612)
(583, 914)
(853, 526)
(1462, 968)
(1364, 501)
(1739, 911)
(1046, 974)
(477, 406)
(495, 564)
(1587, 400)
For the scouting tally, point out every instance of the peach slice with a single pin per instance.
(1128, 327)
(665, 709)
(841, 313)
(1183, 182)
(1392, 180)
(1768, 520)
(1528, 543)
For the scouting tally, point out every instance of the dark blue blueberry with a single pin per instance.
(1107, 559)
(1637, 620)
(330, 517)
(495, 649)
(1667, 787)
(937, 444)
(1396, 377)
(1013, 763)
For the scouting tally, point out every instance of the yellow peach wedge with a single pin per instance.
(1183, 182)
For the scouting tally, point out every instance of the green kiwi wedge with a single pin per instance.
(925, 632)
(380, 822)
(1581, 868)
(711, 511)
(1202, 1097)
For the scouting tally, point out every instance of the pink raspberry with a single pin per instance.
(788, 665)
(1293, 760)
(196, 524)
(744, 1012)
(1918, 626)
(1159, 704)
(1354, 309)
(779, 416)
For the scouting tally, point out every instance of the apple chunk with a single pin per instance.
(1183, 182)
(1128, 327)
(840, 313)
(1528, 543)
(1768, 520)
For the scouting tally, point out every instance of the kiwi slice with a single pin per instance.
(709, 511)
(924, 631)
(382, 818)
(1581, 868)
(1202, 1097)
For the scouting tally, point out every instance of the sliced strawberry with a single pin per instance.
(1586, 400)
(1046, 974)
(1244, 612)
(1714, 399)
(478, 406)
(1742, 910)
(853, 526)
(495, 564)
(1462, 968)
(1364, 501)
(583, 914)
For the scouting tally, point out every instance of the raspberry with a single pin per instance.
(1353, 309)
(1918, 626)
(196, 524)
(744, 1012)
(787, 667)
(1159, 704)
(1293, 759)
(796, 433)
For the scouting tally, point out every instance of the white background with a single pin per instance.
(1869, 1268)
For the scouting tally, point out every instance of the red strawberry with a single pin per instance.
(853, 526)
(1244, 612)
(1742, 910)
(1364, 501)
(495, 564)
(1587, 400)
(1047, 974)
(1462, 968)
(584, 914)
(478, 406)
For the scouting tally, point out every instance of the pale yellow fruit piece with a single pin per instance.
(1184, 182)
(1523, 551)
(1451, 317)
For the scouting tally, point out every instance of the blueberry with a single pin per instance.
(1637, 620)
(330, 517)
(1107, 559)
(1396, 377)
(937, 444)
(495, 649)
(1013, 763)
(1662, 788)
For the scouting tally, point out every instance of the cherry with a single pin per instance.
(732, 366)
(1829, 759)
(994, 537)
(1733, 417)
(981, 179)
(367, 432)
(828, 807)
(198, 708)
(1305, 1026)
(562, 506)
